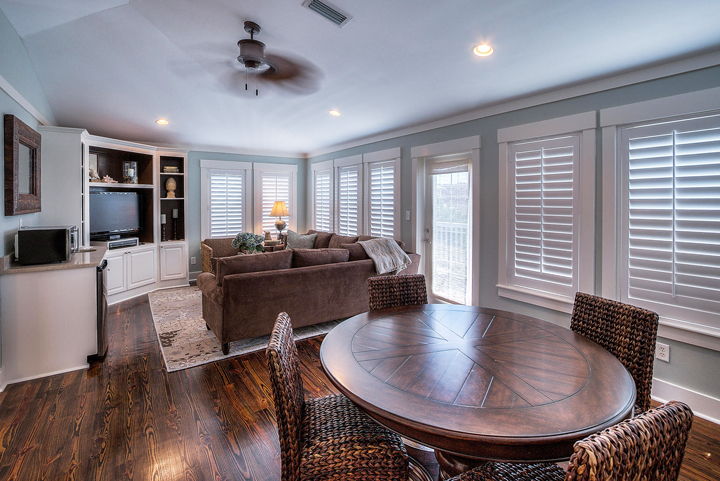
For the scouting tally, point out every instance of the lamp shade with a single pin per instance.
(279, 209)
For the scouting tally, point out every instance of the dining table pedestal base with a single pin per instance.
(451, 465)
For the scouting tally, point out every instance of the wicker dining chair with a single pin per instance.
(395, 291)
(628, 332)
(326, 438)
(650, 446)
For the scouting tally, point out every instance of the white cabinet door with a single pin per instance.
(115, 274)
(173, 263)
(141, 268)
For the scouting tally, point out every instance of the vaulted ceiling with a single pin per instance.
(115, 66)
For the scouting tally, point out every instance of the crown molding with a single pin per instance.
(24, 103)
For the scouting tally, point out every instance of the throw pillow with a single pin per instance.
(337, 241)
(298, 241)
(322, 241)
(241, 264)
(318, 257)
(357, 252)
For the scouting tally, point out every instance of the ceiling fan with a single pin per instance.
(299, 77)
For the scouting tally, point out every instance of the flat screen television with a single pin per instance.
(115, 213)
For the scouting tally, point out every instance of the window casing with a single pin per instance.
(349, 194)
(633, 244)
(365, 194)
(670, 227)
(227, 202)
(274, 182)
(225, 196)
(547, 211)
(381, 212)
(322, 196)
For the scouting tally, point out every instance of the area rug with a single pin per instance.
(185, 341)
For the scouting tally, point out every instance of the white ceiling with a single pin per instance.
(114, 66)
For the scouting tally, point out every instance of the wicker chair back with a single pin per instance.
(650, 446)
(628, 332)
(287, 389)
(395, 291)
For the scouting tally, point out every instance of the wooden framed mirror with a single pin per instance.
(22, 167)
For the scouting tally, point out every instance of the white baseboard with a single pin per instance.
(703, 406)
(46, 374)
(194, 275)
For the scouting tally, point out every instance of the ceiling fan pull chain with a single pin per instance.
(246, 78)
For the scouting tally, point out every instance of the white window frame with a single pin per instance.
(206, 167)
(389, 155)
(612, 120)
(338, 164)
(421, 156)
(315, 169)
(258, 169)
(584, 126)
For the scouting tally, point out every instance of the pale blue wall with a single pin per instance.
(691, 367)
(16, 68)
(194, 204)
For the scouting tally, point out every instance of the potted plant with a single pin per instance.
(248, 243)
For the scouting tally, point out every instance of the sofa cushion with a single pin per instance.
(318, 257)
(363, 238)
(299, 241)
(322, 241)
(357, 252)
(241, 264)
(337, 241)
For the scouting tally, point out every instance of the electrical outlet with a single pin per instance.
(662, 352)
(193, 260)
(407, 215)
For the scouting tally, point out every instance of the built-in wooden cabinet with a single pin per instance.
(173, 261)
(157, 261)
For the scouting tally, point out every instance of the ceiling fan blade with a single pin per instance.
(298, 76)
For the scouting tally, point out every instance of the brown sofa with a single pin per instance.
(246, 293)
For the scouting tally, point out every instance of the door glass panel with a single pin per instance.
(450, 234)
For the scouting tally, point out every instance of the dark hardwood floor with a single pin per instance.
(127, 418)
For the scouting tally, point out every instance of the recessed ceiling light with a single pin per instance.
(483, 50)
(161, 121)
(334, 112)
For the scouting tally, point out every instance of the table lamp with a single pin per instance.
(279, 210)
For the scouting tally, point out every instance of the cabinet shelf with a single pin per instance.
(173, 198)
(106, 185)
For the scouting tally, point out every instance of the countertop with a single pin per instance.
(87, 257)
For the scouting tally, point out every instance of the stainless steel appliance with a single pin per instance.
(44, 245)
(102, 334)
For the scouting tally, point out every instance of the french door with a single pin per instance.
(447, 230)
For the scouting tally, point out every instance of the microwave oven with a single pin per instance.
(44, 245)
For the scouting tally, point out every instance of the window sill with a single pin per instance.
(547, 300)
(689, 333)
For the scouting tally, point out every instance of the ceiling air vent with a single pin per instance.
(328, 11)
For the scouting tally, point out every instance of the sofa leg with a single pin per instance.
(208, 327)
(226, 348)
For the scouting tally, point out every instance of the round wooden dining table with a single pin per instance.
(477, 384)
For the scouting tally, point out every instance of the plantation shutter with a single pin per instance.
(671, 218)
(226, 202)
(382, 199)
(276, 186)
(323, 200)
(348, 200)
(543, 226)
